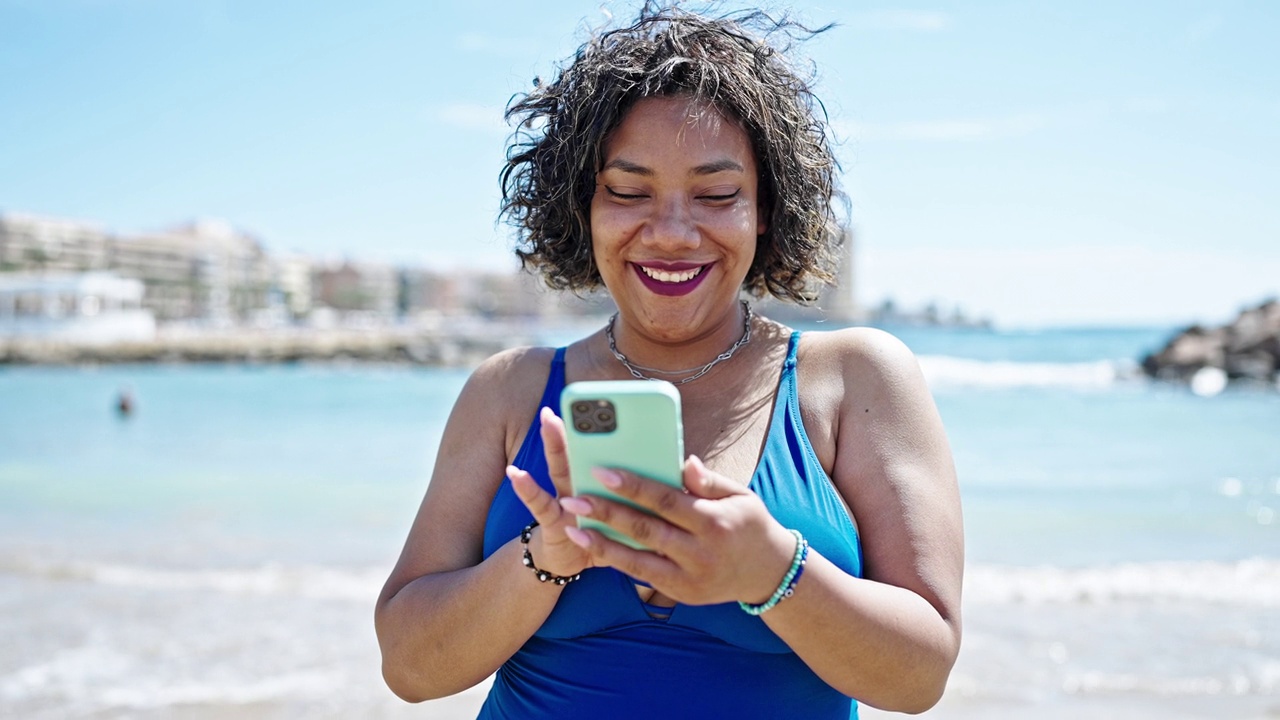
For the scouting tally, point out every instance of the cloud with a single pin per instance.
(952, 130)
(910, 20)
(472, 117)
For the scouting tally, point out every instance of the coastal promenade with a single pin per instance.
(459, 344)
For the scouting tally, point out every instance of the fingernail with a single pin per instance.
(577, 537)
(576, 505)
(607, 477)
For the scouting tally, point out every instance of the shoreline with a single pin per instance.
(408, 345)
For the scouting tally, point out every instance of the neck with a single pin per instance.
(683, 361)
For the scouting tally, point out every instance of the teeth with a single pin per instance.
(671, 277)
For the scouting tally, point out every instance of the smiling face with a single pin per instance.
(675, 217)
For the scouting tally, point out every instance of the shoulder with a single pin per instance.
(885, 427)
(506, 388)
(514, 368)
(859, 351)
(476, 445)
(865, 364)
(858, 386)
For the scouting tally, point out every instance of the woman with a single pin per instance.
(814, 554)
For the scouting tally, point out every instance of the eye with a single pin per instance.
(719, 198)
(621, 194)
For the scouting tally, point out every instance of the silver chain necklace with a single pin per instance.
(698, 372)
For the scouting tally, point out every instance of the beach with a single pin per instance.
(217, 553)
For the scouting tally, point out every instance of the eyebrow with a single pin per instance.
(710, 168)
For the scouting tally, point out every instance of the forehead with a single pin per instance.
(678, 127)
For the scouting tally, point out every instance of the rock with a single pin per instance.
(1254, 328)
(1248, 348)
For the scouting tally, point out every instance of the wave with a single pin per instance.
(943, 371)
(1263, 681)
(1248, 583)
(304, 581)
(93, 680)
(1251, 583)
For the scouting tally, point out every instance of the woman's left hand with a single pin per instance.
(715, 542)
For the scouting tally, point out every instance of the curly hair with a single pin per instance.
(561, 128)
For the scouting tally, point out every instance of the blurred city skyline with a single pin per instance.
(1037, 164)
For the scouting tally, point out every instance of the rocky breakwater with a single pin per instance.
(410, 346)
(1246, 349)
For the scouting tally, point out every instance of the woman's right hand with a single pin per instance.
(551, 549)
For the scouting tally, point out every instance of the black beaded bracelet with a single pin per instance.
(543, 576)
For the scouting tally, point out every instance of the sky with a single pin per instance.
(1035, 163)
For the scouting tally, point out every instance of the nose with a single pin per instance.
(672, 227)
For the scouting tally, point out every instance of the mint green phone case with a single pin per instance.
(648, 438)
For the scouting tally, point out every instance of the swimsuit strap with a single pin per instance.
(788, 394)
(555, 383)
(792, 346)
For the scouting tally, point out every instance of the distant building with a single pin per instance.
(202, 271)
(839, 300)
(90, 308)
(836, 303)
(431, 293)
(293, 280)
(427, 294)
(209, 273)
(365, 289)
(33, 244)
(205, 270)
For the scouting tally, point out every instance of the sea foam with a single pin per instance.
(1248, 583)
(943, 371)
(305, 581)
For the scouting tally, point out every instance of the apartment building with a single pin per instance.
(47, 245)
(204, 270)
(348, 286)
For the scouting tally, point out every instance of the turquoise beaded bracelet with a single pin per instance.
(788, 584)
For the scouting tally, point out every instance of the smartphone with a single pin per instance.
(631, 425)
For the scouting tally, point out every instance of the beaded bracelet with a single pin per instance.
(788, 584)
(543, 576)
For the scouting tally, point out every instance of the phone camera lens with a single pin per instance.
(583, 426)
(582, 407)
(604, 416)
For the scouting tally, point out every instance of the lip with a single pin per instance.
(671, 266)
(671, 289)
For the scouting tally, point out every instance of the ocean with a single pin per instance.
(218, 553)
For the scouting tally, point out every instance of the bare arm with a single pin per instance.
(446, 619)
(888, 639)
(899, 628)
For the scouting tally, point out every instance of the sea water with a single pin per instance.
(218, 552)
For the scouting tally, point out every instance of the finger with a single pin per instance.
(554, 447)
(639, 564)
(703, 483)
(670, 503)
(540, 503)
(655, 533)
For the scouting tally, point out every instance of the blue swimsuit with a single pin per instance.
(602, 653)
